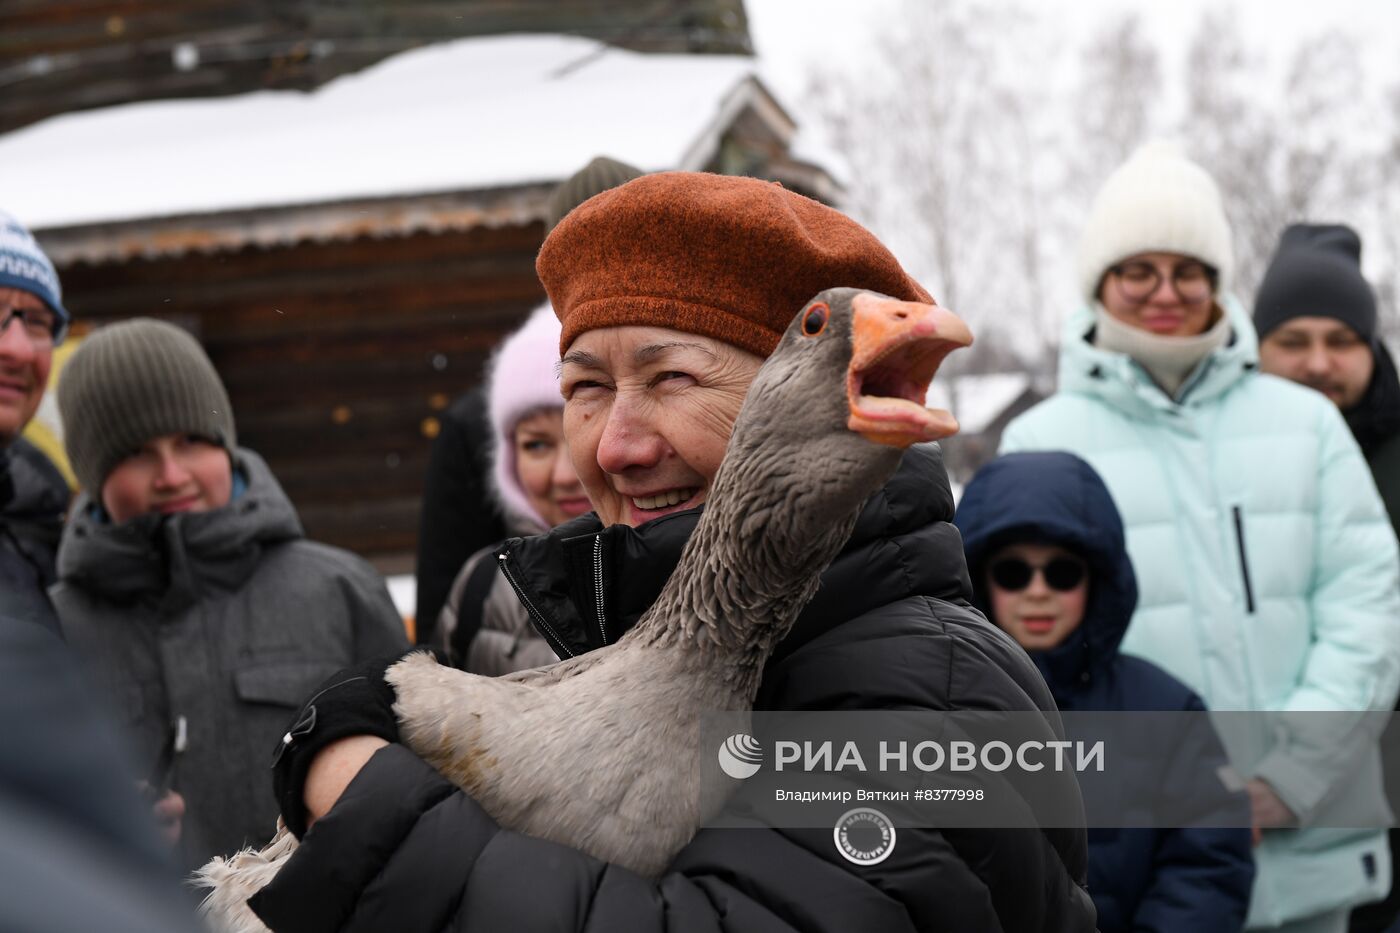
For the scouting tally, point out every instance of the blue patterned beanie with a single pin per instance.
(23, 265)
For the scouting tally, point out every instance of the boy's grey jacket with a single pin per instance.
(228, 618)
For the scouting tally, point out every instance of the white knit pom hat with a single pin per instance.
(1157, 201)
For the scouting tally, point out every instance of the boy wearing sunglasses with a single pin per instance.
(1046, 553)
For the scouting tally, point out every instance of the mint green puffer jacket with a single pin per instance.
(1269, 580)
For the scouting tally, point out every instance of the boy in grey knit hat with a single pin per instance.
(147, 423)
(186, 583)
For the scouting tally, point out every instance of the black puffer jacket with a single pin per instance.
(33, 499)
(890, 628)
(457, 517)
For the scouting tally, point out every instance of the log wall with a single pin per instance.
(338, 357)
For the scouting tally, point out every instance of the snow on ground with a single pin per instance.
(403, 590)
(462, 115)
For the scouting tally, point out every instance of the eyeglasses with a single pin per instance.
(1013, 574)
(1193, 281)
(41, 326)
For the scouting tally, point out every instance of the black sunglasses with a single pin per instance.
(1012, 573)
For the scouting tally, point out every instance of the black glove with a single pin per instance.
(356, 701)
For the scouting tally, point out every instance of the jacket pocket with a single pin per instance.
(1244, 559)
(280, 683)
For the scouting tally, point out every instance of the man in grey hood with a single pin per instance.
(187, 586)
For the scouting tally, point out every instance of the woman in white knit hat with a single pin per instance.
(1267, 566)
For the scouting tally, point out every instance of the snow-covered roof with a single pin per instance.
(464, 115)
(981, 398)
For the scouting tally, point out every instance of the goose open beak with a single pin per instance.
(896, 347)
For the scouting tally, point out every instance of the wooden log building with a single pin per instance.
(347, 292)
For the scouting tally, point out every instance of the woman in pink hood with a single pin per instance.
(483, 627)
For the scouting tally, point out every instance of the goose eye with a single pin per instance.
(814, 321)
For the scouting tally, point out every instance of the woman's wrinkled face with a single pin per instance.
(1030, 609)
(543, 467)
(648, 412)
(169, 474)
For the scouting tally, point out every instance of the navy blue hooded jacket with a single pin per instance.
(1140, 879)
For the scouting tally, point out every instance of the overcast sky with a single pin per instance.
(791, 34)
(794, 36)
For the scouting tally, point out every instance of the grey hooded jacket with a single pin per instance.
(229, 619)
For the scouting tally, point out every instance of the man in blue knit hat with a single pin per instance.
(33, 497)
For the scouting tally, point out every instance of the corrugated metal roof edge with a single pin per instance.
(289, 225)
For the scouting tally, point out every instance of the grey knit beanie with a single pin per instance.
(1316, 272)
(602, 174)
(131, 382)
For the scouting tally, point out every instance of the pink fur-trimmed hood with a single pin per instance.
(523, 379)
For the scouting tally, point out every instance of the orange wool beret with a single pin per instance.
(725, 257)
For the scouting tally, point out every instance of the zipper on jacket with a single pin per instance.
(598, 587)
(1197, 378)
(1244, 561)
(536, 615)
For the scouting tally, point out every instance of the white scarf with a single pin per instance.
(1168, 360)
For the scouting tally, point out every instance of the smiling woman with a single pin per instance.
(648, 417)
(1154, 257)
(543, 467)
(671, 291)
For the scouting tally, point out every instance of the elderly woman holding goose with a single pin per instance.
(672, 290)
